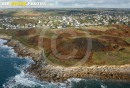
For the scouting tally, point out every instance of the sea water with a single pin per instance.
(13, 74)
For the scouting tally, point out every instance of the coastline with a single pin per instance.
(58, 73)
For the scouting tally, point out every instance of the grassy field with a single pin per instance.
(111, 58)
(22, 39)
(108, 48)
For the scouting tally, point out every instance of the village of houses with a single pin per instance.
(65, 21)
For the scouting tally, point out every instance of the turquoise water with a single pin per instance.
(13, 75)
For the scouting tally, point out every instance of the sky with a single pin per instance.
(81, 3)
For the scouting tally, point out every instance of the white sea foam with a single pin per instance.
(103, 86)
(19, 80)
(74, 79)
(2, 41)
(23, 79)
(11, 52)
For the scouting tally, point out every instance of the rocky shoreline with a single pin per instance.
(58, 74)
(44, 71)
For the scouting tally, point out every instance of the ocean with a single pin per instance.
(13, 74)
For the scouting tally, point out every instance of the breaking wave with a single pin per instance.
(24, 80)
(4, 49)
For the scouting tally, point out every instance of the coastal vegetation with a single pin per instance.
(110, 46)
